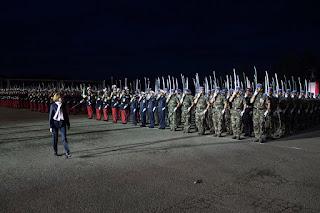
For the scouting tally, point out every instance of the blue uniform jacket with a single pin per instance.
(53, 110)
(162, 102)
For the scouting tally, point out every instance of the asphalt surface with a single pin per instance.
(122, 168)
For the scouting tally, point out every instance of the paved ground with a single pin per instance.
(121, 168)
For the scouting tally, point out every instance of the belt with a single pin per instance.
(237, 108)
(249, 107)
(259, 108)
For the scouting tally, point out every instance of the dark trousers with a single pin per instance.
(62, 126)
(134, 117)
(247, 122)
(161, 114)
(143, 118)
(151, 117)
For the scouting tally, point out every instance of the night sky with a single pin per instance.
(87, 40)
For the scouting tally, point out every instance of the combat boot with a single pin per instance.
(260, 140)
(256, 140)
(234, 137)
(238, 137)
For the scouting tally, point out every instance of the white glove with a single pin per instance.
(154, 108)
(241, 113)
(82, 101)
(169, 95)
(144, 110)
(134, 110)
(223, 111)
(298, 111)
(175, 109)
(275, 113)
(306, 110)
(227, 96)
(125, 106)
(284, 111)
(286, 95)
(291, 111)
(311, 111)
(292, 96)
(245, 95)
(299, 96)
(255, 93)
(266, 113)
(204, 112)
(189, 109)
(215, 95)
(163, 108)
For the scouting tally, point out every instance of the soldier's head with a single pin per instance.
(237, 90)
(241, 92)
(123, 92)
(217, 90)
(157, 91)
(166, 91)
(279, 92)
(288, 91)
(172, 92)
(186, 91)
(249, 91)
(259, 88)
(201, 90)
(143, 94)
(161, 92)
(147, 91)
(151, 93)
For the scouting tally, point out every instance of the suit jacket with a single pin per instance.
(53, 110)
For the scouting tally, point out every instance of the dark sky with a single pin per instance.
(87, 40)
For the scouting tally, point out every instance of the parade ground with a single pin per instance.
(124, 168)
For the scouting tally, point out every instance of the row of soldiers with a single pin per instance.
(269, 114)
(263, 114)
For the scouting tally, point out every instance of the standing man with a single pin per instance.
(134, 106)
(238, 108)
(152, 103)
(105, 104)
(261, 104)
(114, 103)
(89, 98)
(173, 104)
(202, 106)
(187, 103)
(98, 100)
(247, 116)
(161, 109)
(143, 108)
(124, 105)
(219, 105)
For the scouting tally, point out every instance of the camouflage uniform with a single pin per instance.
(218, 106)
(186, 115)
(260, 106)
(272, 118)
(227, 118)
(173, 102)
(200, 117)
(238, 103)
